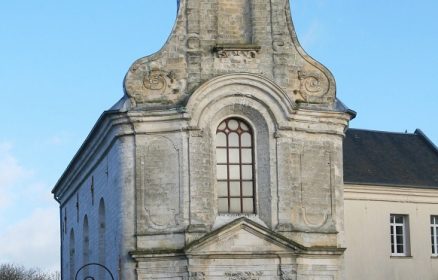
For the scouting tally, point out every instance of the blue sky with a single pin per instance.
(62, 64)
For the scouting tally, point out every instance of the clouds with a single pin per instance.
(29, 230)
(32, 241)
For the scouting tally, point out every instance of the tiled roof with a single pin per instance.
(385, 158)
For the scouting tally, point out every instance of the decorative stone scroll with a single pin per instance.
(150, 82)
(312, 85)
(159, 81)
(247, 275)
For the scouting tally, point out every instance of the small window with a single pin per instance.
(434, 234)
(399, 235)
(235, 167)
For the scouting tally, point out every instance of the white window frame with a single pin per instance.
(434, 234)
(404, 225)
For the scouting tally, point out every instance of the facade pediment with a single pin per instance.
(243, 237)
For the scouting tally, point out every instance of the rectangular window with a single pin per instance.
(434, 234)
(399, 235)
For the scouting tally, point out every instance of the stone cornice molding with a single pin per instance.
(111, 126)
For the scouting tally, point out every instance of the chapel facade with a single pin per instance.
(223, 160)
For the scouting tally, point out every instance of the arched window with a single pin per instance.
(72, 255)
(235, 167)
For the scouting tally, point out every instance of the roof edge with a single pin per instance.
(426, 139)
(83, 146)
(346, 182)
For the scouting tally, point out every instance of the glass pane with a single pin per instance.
(243, 126)
(221, 172)
(235, 205)
(234, 172)
(233, 139)
(246, 139)
(233, 124)
(399, 230)
(234, 188)
(392, 248)
(247, 189)
(399, 219)
(400, 249)
(247, 172)
(222, 189)
(248, 205)
(222, 206)
(392, 230)
(391, 219)
(221, 155)
(234, 155)
(434, 220)
(221, 139)
(222, 126)
(246, 156)
(400, 239)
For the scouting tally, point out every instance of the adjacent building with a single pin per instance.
(391, 205)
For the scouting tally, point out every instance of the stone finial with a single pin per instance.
(216, 37)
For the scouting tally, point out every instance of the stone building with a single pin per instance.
(223, 160)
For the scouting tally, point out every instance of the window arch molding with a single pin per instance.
(266, 107)
(244, 89)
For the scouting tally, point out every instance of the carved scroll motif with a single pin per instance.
(312, 84)
(248, 275)
(161, 82)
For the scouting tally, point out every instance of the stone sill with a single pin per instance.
(401, 257)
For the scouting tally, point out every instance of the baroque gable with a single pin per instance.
(212, 38)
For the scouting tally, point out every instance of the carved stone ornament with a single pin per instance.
(312, 84)
(197, 276)
(248, 275)
(150, 82)
(288, 275)
(160, 81)
(236, 51)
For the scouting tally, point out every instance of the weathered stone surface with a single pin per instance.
(153, 159)
(217, 37)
